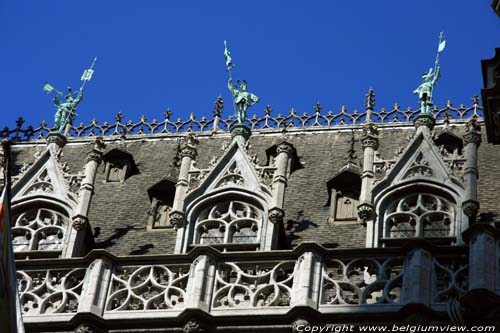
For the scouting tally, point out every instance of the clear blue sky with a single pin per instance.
(158, 54)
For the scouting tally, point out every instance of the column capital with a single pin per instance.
(177, 219)
(57, 138)
(426, 120)
(276, 215)
(79, 222)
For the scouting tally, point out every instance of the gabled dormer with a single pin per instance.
(42, 205)
(234, 204)
(419, 197)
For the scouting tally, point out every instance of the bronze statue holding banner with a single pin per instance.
(66, 110)
(430, 79)
(242, 99)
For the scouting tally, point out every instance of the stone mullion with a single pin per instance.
(417, 277)
(80, 218)
(307, 281)
(200, 284)
(95, 287)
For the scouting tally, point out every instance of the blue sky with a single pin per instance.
(158, 54)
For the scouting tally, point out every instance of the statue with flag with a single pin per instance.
(430, 79)
(242, 99)
(66, 109)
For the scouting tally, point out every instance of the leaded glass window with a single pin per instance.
(419, 215)
(229, 222)
(39, 229)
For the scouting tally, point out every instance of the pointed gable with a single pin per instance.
(420, 161)
(233, 170)
(43, 178)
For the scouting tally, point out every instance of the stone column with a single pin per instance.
(76, 238)
(369, 141)
(472, 140)
(95, 287)
(306, 283)
(177, 216)
(276, 213)
(483, 256)
(417, 277)
(200, 284)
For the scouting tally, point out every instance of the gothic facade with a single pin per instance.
(284, 221)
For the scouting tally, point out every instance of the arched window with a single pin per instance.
(419, 215)
(229, 222)
(39, 229)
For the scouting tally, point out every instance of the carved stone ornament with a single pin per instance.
(470, 207)
(472, 137)
(425, 120)
(240, 130)
(79, 222)
(84, 328)
(276, 215)
(57, 138)
(299, 325)
(188, 151)
(193, 327)
(95, 155)
(176, 219)
(365, 211)
(284, 147)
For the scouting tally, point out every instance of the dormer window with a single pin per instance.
(344, 191)
(118, 166)
(162, 199)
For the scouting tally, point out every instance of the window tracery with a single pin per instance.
(39, 229)
(229, 222)
(419, 215)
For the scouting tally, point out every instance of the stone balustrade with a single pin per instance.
(350, 282)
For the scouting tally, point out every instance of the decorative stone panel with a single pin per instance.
(50, 291)
(157, 287)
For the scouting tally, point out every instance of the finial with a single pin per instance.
(318, 107)
(268, 110)
(218, 107)
(168, 113)
(369, 104)
(370, 99)
(119, 117)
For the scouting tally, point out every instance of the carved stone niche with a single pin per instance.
(344, 190)
(118, 166)
(162, 199)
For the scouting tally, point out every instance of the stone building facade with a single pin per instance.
(348, 217)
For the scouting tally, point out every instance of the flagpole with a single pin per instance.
(91, 67)
(437, 54)
(16, 325)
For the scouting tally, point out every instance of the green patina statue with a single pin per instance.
(242, 99)
(424, 90)
(430, 79)
(66, 109)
